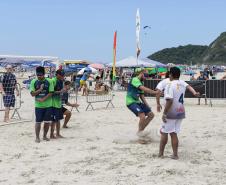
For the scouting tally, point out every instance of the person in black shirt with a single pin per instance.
(7, 87)
(64, 98)
(202, 77)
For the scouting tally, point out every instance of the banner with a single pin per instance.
(138, 32)
(114, 56)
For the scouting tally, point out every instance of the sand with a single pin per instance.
(100, 148)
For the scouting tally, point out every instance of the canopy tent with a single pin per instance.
(132, 62)
(96, 66)
(154, 63)
(5, 61)
(31, 64)
(46, 61)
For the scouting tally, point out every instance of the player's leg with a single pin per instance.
(163, 142)
(67, 114)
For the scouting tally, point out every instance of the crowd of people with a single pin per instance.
(51, 94)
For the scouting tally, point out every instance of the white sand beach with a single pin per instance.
(99, 148)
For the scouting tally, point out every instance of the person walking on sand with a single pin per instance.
(42, 88)
(137, 103)
(64, 98)
(203, 77)
(174, 111)
(8, 85)
(83, 84)
(57, 103)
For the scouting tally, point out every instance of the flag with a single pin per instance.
(114, 57)
(138, 32)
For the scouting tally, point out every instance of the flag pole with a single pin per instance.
(114, 58)
(137, 34)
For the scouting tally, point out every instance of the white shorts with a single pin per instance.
(171, 125)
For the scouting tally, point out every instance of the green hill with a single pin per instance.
(215, 53)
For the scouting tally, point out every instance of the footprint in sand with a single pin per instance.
(207, 152)
(44, 155)
(195, 161)
(31, 181)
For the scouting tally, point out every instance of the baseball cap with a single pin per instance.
(139, 70)
(60, 72)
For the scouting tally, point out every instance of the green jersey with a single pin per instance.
(48, 88)
(133, 91)
(58, 86)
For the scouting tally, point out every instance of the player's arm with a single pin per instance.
(144, 100)
(158, 95)
(169, 101)
(59, 92)
(168, 105)
(224, 77)
(192, 90)
(45, 97)
(51, 90)
(37, 92)
(1, 88)
(17, 89)
(148, 90)
(72, 104)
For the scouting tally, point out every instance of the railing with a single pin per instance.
(210, 89)
(95, 98)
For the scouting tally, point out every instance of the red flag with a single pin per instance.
(114, 55)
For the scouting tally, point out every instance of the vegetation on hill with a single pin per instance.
(215, 53)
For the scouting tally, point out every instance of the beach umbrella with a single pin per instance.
(96, 66)
(87, 69)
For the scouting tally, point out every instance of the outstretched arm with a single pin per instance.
(192, 90)
(147, 90)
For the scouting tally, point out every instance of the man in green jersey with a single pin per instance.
(57, 103)
(137, 103)
(42, 88)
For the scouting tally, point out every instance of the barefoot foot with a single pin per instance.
(45, 139)
(59, 136)
(37, 140)
(175, 157)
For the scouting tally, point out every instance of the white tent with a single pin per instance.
(154, 63)
(132, 62)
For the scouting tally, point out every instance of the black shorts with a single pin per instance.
(9, 100)
(57, 114)
(137, 108)
(64, 110)
(43, 114)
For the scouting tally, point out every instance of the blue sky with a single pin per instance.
(83, 29)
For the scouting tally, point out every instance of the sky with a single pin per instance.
(84, 29)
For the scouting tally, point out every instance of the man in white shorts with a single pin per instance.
(174, 111)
